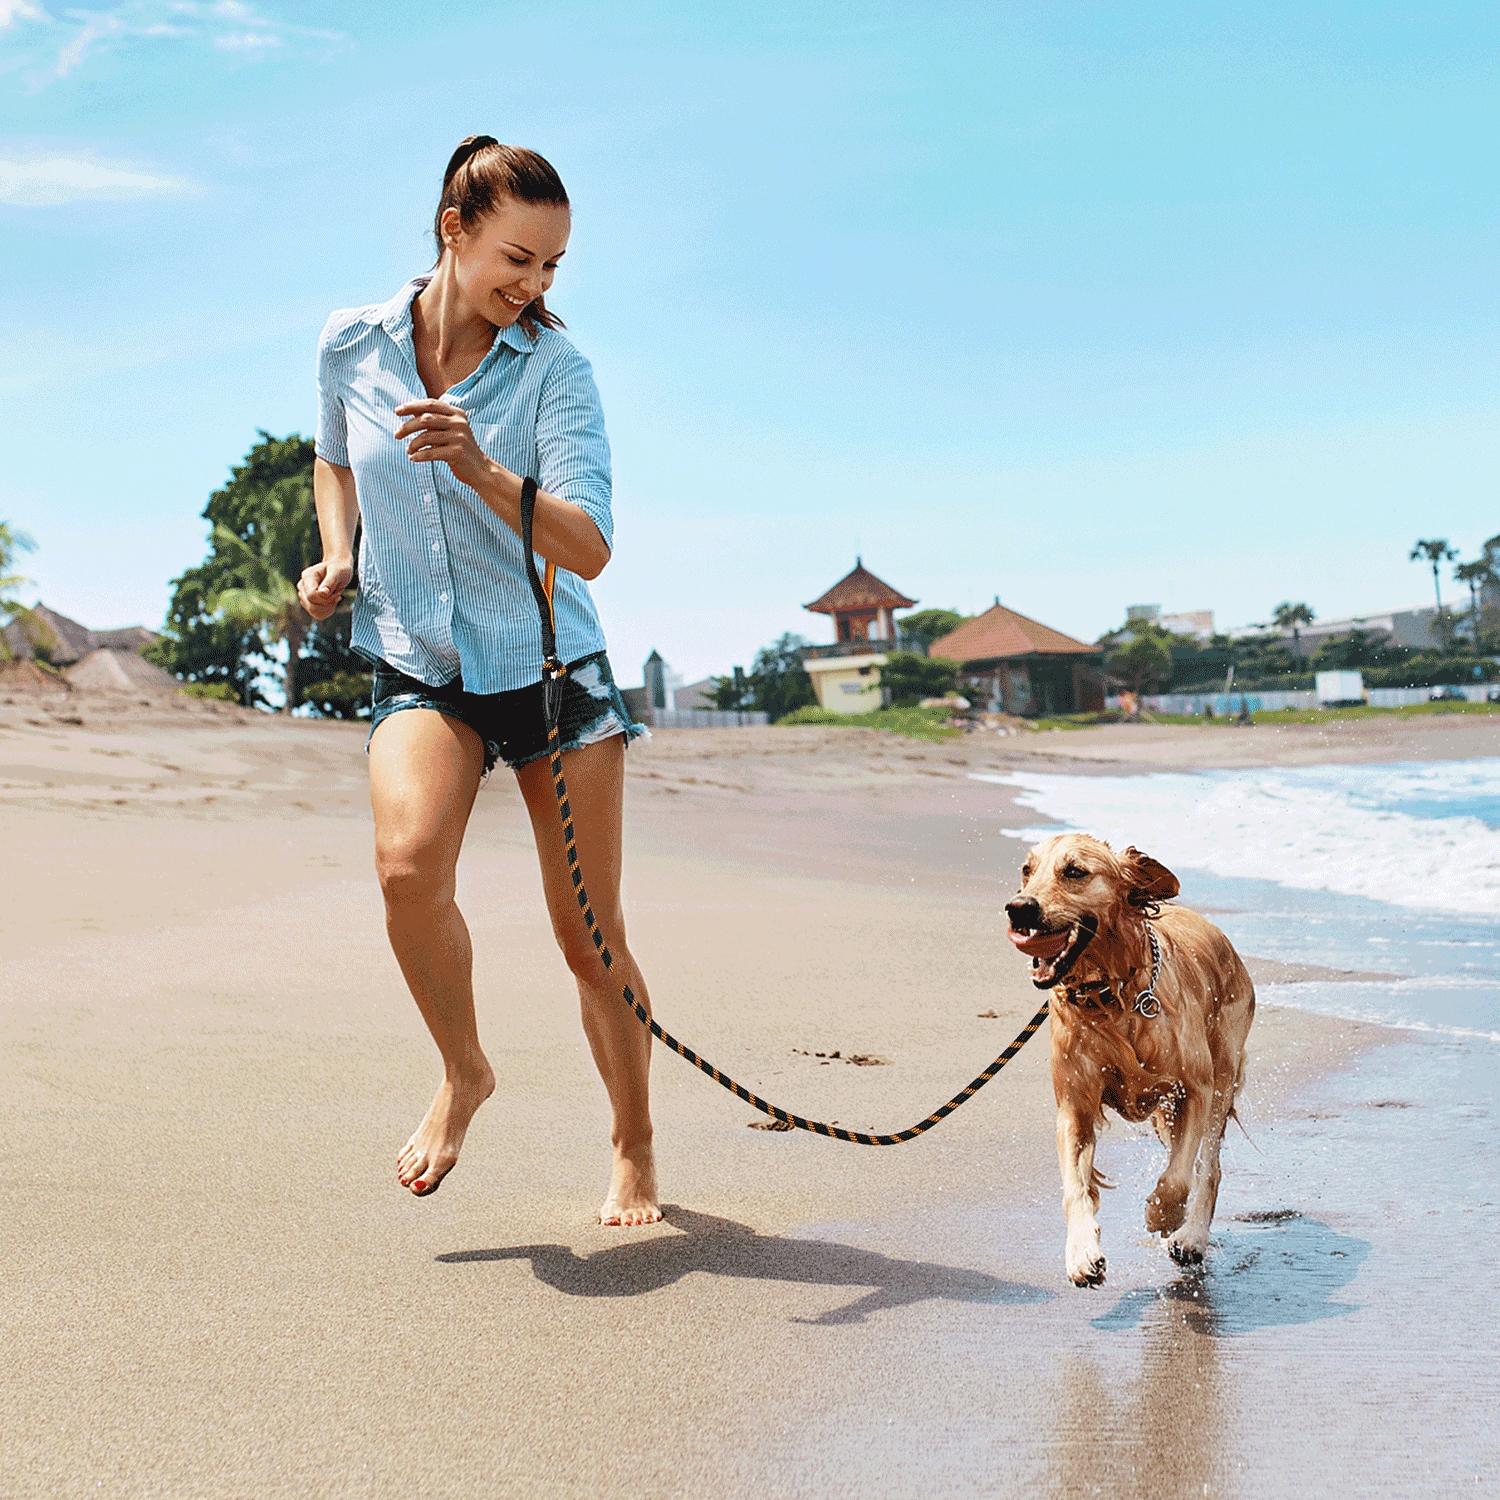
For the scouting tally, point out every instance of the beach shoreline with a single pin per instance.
(208, 1043)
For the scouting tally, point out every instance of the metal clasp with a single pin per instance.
(1148, 1005)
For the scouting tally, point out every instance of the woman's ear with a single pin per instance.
(1149, 880)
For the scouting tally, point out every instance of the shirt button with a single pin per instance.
(442, 598)
(437, 546)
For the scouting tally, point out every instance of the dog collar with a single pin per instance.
(1097, 995)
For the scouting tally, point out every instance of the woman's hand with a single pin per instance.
(321, 586)
(440, 431)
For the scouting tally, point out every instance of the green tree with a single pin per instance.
(241, 600)
(1479, 574)
(778, 680)
(202, 647)
(1289, 616)
(1357, 648)
(1435, 551)
(337, 678)
(733, 692)
(927, 625)
(12, 612)
(907, 678)
(1144, 662)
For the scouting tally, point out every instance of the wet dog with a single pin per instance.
(1151, 1007)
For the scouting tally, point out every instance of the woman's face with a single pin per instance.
(509, 258)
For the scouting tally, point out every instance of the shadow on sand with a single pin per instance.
(1274, 1271)
(712, 1246)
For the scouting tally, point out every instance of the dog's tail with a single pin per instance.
(1234, 1115)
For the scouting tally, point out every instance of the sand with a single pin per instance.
(209, 1060)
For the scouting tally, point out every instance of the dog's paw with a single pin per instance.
(1187, 1249)
(1086, 1270)
(1166, 1208)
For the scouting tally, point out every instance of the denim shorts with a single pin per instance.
(511, 725)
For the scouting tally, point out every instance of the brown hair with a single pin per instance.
(480, 173)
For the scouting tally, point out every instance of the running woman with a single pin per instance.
(433, 406)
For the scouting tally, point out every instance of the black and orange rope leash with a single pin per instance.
(553, 672)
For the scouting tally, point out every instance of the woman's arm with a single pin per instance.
(337, 507)
(561, 531)
(573, 467)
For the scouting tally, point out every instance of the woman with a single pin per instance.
(433, 407)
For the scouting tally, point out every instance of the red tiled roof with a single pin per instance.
(859, 589)
(1001, 632)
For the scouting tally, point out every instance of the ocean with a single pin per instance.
(1389, 869)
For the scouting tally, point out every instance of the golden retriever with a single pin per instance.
(1163, 1040)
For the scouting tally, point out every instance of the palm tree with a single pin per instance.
(264, 568)
(1474, 574)
(36, 629)
(1288, 616)
(1437, 552)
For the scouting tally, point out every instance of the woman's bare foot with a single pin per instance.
(433, 1149)
(632, 1190)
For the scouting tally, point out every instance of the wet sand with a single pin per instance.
(209, 1060)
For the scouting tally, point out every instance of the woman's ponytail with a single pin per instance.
(466, 148)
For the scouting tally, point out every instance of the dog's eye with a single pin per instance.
(1075, 872)
(1025, 872)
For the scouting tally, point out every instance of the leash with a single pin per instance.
(553, 672)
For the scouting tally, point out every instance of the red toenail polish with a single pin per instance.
(420, 1186)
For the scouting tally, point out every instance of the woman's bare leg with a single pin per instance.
(424, 772)
(595, 775)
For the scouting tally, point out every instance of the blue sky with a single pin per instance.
(1078, 305)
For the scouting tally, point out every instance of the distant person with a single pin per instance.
(1130, 706)
(433, 407)
(1243, 717)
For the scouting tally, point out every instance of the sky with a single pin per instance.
(1075, 305)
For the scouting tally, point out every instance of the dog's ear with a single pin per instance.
(1149, 879)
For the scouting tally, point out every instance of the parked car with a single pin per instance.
(1446, 695)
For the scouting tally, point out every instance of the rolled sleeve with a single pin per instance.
(332, 440)
(573, 460)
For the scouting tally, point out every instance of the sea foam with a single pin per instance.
(1413, 835)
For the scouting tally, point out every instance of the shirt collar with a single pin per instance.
(395, 317)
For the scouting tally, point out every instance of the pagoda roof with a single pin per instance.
(1000, 632)
(859, 589)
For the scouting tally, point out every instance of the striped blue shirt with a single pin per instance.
(442, 582)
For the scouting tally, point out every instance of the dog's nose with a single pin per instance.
(1024, 913)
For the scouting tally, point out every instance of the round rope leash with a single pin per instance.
(553, 672)
(797, 1122)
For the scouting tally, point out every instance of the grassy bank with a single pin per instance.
(914, 723)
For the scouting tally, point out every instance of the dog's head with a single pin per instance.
(1072, 886)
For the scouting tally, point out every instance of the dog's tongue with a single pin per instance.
(1039, 944)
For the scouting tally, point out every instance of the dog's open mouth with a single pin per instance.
(1053, 950)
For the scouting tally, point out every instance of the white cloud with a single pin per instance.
(20, 10)
(45, 181)
(246, 41)
(76, 36)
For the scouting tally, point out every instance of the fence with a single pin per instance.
(1269, 702)
(703, 718)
